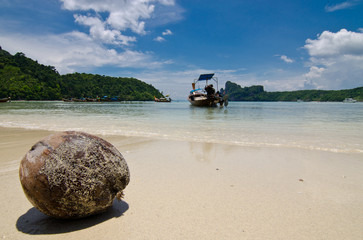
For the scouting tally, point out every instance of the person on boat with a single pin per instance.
(210, 91)
(220, 97)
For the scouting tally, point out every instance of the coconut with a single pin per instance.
(73, 175)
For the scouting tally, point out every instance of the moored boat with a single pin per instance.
(206, 96)
(162, 99)
(349, 100)
(4, 99)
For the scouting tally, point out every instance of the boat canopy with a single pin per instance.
(205, 77)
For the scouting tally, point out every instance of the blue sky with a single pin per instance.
(282, 45)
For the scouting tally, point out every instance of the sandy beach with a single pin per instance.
(185, 190)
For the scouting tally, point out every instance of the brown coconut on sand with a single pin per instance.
(73, 175)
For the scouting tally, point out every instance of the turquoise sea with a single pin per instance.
(335, 127)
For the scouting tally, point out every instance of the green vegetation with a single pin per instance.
(80, 85)
(257, 93)
(22, 78)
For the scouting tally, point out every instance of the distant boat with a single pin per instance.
(163, 99)
(207, 96)
(349, 100)
(4, 99)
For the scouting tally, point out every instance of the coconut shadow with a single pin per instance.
(35, 222)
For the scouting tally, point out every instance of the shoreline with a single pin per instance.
(191, 190)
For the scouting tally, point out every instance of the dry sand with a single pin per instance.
(182, 190)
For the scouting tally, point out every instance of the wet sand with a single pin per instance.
(184, 190)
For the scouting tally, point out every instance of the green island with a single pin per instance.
(257, 93)
(22, 78)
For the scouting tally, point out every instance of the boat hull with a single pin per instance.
(4, 99)
(162, 100)
(201, 100)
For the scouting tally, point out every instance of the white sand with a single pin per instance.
(182, 190)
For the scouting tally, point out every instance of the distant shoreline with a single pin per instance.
(257, 93)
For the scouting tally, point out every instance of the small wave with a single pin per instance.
(189, 137)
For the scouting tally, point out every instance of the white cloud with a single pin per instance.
(336, 44)
(286, 59)
(159, 39)
(167, 32)
(110, 22)
(74, 51)
(340, 6)
(99, 32)
(315, 72)
(167, 2)
(122, 15)
(336, 60)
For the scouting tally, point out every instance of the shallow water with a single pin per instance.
(335, 127)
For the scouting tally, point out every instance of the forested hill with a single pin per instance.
(22, 78)
(257, 93)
